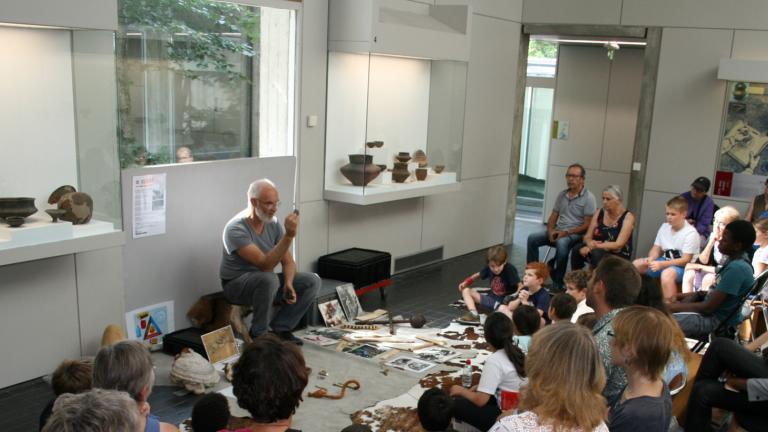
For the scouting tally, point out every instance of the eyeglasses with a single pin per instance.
(572, 176)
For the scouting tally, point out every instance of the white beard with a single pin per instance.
(264, 218)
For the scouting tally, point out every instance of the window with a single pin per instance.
(204, 80)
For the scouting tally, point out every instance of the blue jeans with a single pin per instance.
(562, 246)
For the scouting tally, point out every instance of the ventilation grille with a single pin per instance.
(418, 259)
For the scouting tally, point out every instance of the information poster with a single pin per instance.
(743, 165)
(149, 324)
(149, 205)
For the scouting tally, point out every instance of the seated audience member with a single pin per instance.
(210, 413)
(435, 409)
(675, 245)
(614, 285)
(701, 207)
(650, 295)
(562, 308)
(567, 223)
(71, 376)
(587, 320)
(699, 314)
(127, 366)
(565, 378)
(758, 208)
(700, 275)
(645, 404)
(268, 381)
(525, 322)
(760, 258)
(732, 378)
(503, 376)
(503, 280)
(95, 410)
(610, 231)
(576, 286)
(532, 292)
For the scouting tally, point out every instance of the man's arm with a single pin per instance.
(268, 262)
(289, 271)
(706, 307)
(551, 224)
(707, 214)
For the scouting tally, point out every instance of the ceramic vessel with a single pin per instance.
(420, 157)
(438, 168)
(403, 157)
(21, 207)
(379, 144)
(55, 214)
(400, 173)
(421, 174)
(15, 221)
(78, 208)
(383, 167)
(60, 192)
(360, 170)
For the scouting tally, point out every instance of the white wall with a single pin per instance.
(599, 98)
(37, 116)
(86, 14)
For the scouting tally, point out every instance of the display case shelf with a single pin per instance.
(376, 193)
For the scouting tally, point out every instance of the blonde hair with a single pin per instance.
(727, 214)
(565, 378)
(679, 204)
(648, 355)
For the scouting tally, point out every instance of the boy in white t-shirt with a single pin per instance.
(676, 244)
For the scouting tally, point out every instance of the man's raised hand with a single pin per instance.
(291, 224)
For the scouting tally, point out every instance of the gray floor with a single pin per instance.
(428, 290)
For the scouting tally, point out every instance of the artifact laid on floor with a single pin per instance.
(193, 371)
(212, 312)
(322, 392)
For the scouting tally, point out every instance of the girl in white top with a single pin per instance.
(565, 384)
(503, 375)
(760, 259)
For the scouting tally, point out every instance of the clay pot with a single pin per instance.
(383, 167)
(403, 157)
(60, 192)
(15, 221)
(420, 157)
(421, 174)
(360, 170)
(78, 208)
(20, 207)
(55, 214)
(400, 173)
(370, 144)
(379, 144)
(438, 168)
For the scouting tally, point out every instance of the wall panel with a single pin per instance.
(727, 14)
(572, 11)
(312, 240)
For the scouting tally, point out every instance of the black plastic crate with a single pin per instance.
(362, 267)
(190, 337)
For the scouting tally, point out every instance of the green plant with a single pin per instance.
(542, 48)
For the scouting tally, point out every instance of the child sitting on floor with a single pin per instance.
(503, 281)
(576, 287)
(71, 376)
(210, 413)
(435, 410)
(562, 308)
(532, 292)
(525, 322)
(503, 375)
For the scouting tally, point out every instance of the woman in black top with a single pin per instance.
(610, 231)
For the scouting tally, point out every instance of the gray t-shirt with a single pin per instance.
(572, 211)
(239, 233)
(642, 414)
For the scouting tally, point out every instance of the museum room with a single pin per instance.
(384, 215)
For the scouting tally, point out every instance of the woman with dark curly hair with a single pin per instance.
(268, 381)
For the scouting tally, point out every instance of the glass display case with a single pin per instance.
(59, 127)
(394, 128)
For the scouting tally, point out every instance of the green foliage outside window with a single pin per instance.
(542, 49)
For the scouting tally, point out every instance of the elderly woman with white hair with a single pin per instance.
(610, 231)
(700, 275)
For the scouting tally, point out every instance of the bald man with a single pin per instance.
(254, 244)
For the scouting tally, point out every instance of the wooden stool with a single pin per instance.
(680, 400)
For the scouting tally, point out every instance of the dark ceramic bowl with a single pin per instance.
(15, 221)
(438, 168)
(360, 159)
(21, 207)
(55, 214)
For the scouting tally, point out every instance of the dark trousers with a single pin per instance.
(480, 417)
(725, 355)
(262, 290)
(562, 247)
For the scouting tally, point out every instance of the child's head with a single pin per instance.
(723, 217)
(496, 257)
(561, 307)
(676, 210)
(576, 284)
(633, 349)
(526, 320)
(210, 413)
(738, 238)
(435, 410)
(535, 274)
(72, 376)
(498, 333)
(761, 231)
(587, 320)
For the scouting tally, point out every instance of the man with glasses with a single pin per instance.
(567, 224)
(254, 244)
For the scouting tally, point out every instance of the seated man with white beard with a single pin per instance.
(254, 243)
